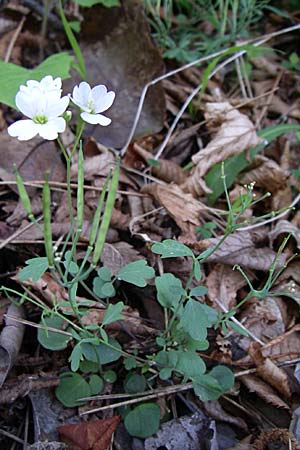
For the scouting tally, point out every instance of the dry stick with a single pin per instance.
(17, 233)
(162, 392)
(56, 184)
(269, 99)
(13, 40)
(180, 69)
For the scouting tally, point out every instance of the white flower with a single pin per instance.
(46, 85)
(43, 107)
(93, 101)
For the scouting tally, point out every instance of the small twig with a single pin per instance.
(36, 325)
(11, 436)
(54, 184)
(269, 99)
(17, 233)
(13, 40)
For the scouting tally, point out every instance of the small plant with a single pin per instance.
(178, 24)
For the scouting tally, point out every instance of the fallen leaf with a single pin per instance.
(10, 340)
(181, 206)
(223, 284)
(235, 134)
(268, 371)
(266, 174)
(32, 159)
(240, 249)
(117, 255)
(263, 390)
(94, 435)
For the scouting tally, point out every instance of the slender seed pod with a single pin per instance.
(47, 221)
(80, 191)
(97, 214)
(24, 197)
(109, 206)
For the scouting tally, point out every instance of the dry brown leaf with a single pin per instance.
(115, 256)
(284, 347)
(223, 284)
(33, 159)
(276, 438)
(265, 319)
(93, 435)
(239, 249)
(268, 371)
(263, 390)
(11, 340)
(182, 207)
(166, 170)
(235, 134)
(132, 323)
(267, 174)
(283, 228)
(216, 412)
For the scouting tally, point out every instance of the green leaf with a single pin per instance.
(50, 339)
(76, 357)
(170, 248)
(12, 75)
(198, 291)
(89, 3)
(129, 363)
(35, 268)
(194, 320)
(169, 290)
(136, 273)
(112, 314)
(207, 388)
(143, 421)
(110, 376)
(190, 364)
(103, 289)
(196, 269)
(96, 384)
(72, 386)
(224, 376)
(102, 353)
(88, 367)
(104, 273)
(235, 164)
(70, 264)
(134, 383)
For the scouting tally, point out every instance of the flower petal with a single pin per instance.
(95, 119)
(56, 107)
(50, 130)
(81, 93)
(23, 129)
(102, 99)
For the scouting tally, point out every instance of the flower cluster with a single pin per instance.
(42, 102)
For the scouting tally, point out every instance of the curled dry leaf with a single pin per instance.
(223, 284)
(263, 390)
(94, 435)
(10, 340)
(182, 207)
(284, 228)
(267, 174)
(166, 170)
(216, 412)
(265, 319)
(268, 371)
(235, 134)
(239, 249)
